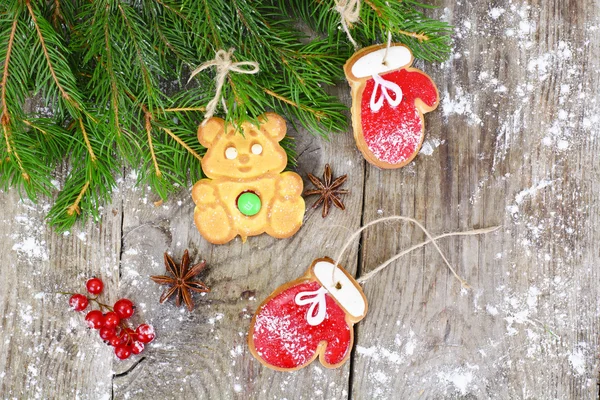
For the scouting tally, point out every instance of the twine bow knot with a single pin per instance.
(224, 64)
(350, 13)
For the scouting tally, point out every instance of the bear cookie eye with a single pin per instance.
(231, 153)
(256, 149)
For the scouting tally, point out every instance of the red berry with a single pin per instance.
(129, 331)
(94, 286)
(124, 308)
(111, 319)
(95, 319)
(145, 333)
(107, 333)
(137, 347)
(123, 352)
(118, 340)
(130, 335)
(78, 302)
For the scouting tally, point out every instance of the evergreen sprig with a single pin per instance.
(113, 78)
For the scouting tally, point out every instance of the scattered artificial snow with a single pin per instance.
(533, 318)
(131, 252)
(493, 311)
(411, 345)
(460, 380)
(534, 309)
(577, 361)
(496, 12)
(532, 191)
(32, 247)
(216, 318)
(380, 353)
(430, 145)
(237, 351)
(460, 104)
(28, 240)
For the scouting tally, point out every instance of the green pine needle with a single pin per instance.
(112, 75)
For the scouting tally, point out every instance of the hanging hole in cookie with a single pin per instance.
(338, 285)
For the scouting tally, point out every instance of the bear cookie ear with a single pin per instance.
(208, 132)
(273, 125)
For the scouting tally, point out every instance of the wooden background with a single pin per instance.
(513, 143)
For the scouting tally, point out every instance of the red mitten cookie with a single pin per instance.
(388, 103)
(309, 317)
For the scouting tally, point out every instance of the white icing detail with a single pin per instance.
(348, 295)
(372, 63)
(317, 300)
(384, 85)
(231, 153)
(256, 149)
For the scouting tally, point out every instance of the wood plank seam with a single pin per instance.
(358, 273)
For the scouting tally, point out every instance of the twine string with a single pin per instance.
(224, 65)
(387, 48)
(350, 13)
(374, 272)
(430, 238)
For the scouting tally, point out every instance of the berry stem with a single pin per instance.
(101, 305)
(94, 299)
(124, 328)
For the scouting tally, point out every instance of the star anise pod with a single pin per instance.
(328, 190)
(182, 283)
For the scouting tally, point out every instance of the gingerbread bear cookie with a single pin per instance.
(389, 98)
(247, 193)
(308, 318)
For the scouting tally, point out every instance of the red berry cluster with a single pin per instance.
(111, 324)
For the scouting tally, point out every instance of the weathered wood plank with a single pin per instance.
(46, 350)
(517, 147)
(514, 143)
(204, 354)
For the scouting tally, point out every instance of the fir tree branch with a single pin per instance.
(419, 36)
(60, 87)
(184, 109)
(182, 143)
(10, 150)
(87, 141)
(74, 208)
(317, 113)
(174, 11)
(146, 76)
(37, 128)
(374, 7)
(56, 14)
(111, 72)
(428, 38)
(114, 92)
(167, 43)
(5, 118)
(5, 113)
(148, 126)
(216, 38)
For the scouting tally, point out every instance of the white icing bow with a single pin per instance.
(317, 300)
(385, 86)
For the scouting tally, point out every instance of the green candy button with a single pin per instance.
(249, 204)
